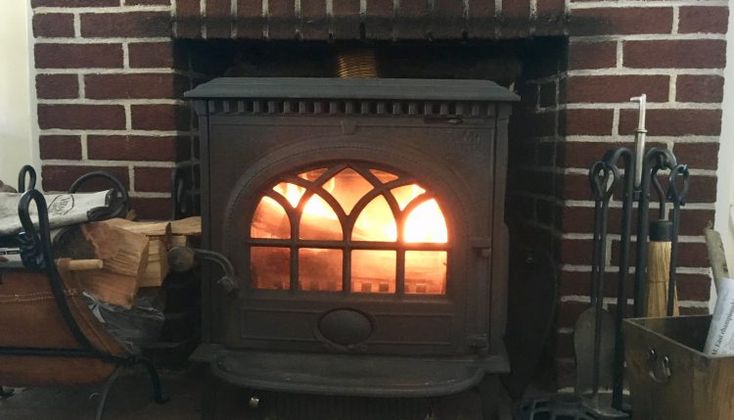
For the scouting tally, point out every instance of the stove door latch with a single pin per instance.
(482, 244)
(183, 258)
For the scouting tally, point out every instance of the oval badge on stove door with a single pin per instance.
(345, 327)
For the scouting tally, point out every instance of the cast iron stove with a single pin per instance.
(364, 220)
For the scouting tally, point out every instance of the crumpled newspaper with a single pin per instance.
(63, 209)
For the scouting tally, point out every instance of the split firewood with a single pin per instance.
(163, 236)
(190, 226)
(123, 255)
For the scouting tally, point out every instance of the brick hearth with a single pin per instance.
(110, 77)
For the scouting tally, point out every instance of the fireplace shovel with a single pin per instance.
(594, 330)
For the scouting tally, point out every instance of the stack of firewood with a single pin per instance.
(114, 258)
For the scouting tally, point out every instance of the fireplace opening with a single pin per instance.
(365, 218)
(349, 228)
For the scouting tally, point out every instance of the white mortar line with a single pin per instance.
(266, 15)
(676, 19)
(120, 101)
(82, 91)
(617, 205)
(85, 147)
(581, 268)
(84, 41)
(672, 87)
(362, 7)
(615, 121)
(585, 171)
(650, 139)
(626, 105)
(131, 175)
(77, 25)
(651, 37)
(202, 13)
(687, 239)
(103, 162)
(125, 56)
(233, 18)
(620, 55)
(497, 7)
(612, 71)
(174, 26)
(103, 10)
(121, 132)
(645, 4)
(119, 70)
(128, 117)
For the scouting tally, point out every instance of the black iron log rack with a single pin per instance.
(34, 243)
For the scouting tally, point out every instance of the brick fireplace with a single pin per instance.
(110, 77)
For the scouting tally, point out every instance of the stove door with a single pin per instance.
(352, 243)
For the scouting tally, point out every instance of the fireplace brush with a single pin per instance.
(634, 175)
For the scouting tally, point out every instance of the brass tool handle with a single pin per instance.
(658, 270)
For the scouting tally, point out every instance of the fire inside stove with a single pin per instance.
(349, 228)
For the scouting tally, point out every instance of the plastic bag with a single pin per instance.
(133, 328)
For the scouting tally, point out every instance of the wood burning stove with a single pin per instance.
(364, 221)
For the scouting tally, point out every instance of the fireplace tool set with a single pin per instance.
(637, 175)
(636, 178)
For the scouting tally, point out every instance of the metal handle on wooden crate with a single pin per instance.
(658, 369)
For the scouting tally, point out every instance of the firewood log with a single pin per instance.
(125, 257)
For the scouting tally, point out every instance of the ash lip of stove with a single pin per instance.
(364, 219)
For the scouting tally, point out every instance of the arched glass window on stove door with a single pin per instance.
(349, 228)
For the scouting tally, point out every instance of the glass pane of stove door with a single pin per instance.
(425, 272)
(291, 192)
(319, 221)
(320, 270)
(348, 187)
(426, 223)
(270, 221)
(405, 194)
(374, 248)
(376, 223)
(373, 271)
(270, 268)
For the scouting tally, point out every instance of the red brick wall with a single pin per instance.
(109, 84)
(109, 90)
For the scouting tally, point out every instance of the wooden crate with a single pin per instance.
(691, 385)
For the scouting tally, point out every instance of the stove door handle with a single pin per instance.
(183, 258)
